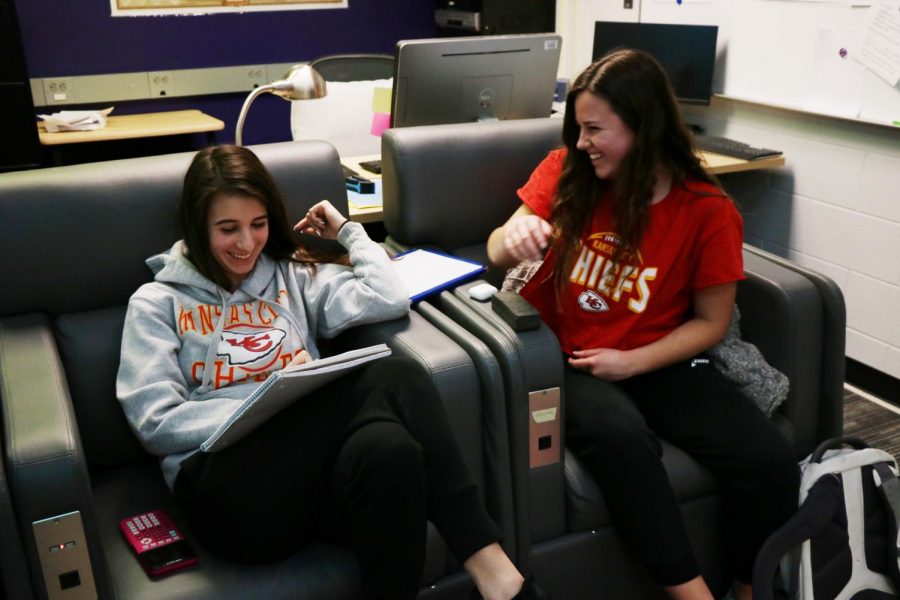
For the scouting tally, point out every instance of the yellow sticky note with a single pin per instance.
(381, 100)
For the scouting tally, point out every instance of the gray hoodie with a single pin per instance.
(191, 351)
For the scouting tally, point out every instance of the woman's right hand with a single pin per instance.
(323, 220)
(526, 237)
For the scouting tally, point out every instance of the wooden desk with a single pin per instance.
(717, 164)
(126, 127)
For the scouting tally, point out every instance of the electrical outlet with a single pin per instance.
(162, 83)
(63, 553)
(256, 76)
(59, 90)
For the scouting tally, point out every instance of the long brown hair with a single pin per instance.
(638, 91)
(235, 170)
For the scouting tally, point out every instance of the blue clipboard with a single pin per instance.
(427, 272)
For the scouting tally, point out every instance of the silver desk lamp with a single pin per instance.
(301, 82)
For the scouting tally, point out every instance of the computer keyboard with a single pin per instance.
(372, 166)
(734, 148)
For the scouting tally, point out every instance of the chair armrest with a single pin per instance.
(14, 580)
(457, 380)
(45, 464)
(783, 314)
(495, 436)
(529, 361)
(834, 340)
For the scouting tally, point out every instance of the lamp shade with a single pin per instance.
(301, 82)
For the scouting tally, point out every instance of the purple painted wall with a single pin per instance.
(81, 38)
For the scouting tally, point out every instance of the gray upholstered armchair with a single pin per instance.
(72, 249)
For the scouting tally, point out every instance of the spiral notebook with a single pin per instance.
(283, 388)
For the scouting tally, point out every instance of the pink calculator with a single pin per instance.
(159, 545)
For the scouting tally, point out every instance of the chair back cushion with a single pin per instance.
(354, 67)
(451, 185)
(76, 237)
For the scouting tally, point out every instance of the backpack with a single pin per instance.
(842, 542)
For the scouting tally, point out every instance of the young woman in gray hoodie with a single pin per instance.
(366, 459)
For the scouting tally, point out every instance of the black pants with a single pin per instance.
(369, 457)
(615, 429)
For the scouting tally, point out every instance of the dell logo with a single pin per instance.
(486, 97)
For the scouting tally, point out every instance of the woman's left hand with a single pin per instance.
(605, 363)
(323, 220)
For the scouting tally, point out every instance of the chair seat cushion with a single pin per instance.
(586, 510)
(318, 571)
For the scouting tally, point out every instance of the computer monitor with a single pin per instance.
(686, 52)
(458, 80)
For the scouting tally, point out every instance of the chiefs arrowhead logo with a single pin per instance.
(250, 347)
(590, 301)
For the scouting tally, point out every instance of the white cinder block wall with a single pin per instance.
(834, 207)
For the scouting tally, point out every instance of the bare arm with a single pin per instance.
(712, 314)
(524, 236)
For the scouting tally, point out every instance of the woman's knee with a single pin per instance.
(401, 379)
(396, 369)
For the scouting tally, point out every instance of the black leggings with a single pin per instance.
(615, 429)
(372, 450)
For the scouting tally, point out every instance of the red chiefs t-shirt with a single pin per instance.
(692, 241)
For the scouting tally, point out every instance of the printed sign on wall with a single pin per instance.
(142, 8)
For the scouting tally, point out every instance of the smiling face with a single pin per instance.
(602, 134)
(238, 231)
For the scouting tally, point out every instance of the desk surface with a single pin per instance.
(137, 126)
(717, 164)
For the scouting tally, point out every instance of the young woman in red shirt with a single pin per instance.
(643, 256)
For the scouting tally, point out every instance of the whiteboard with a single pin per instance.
(787, 53)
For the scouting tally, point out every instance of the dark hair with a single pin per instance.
(235, 170)
(638, 91)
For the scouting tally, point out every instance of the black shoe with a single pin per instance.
(532, 591)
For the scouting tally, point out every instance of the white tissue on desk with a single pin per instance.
(76, 120)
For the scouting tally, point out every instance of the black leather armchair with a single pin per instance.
(354, 67)
(448, 187)
(72, 251)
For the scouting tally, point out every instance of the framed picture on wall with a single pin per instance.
(140, 8)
